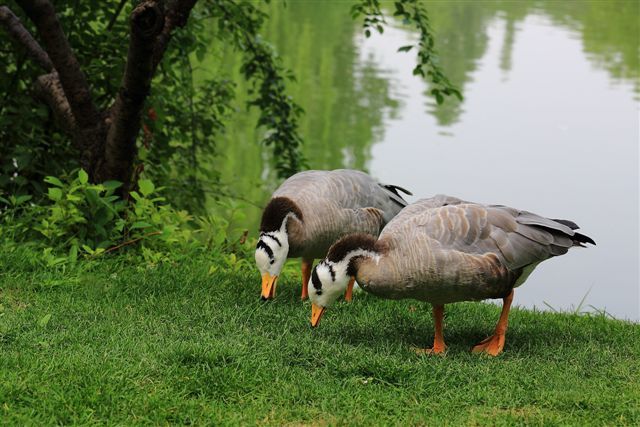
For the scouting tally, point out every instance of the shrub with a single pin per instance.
(90, 220)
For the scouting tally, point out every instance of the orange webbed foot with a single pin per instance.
(492, 345)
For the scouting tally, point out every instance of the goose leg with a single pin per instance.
(348, 296)
(438, 340)
(307, 265)
(495, 343)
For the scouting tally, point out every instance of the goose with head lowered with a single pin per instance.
(313, 209)
(444, 250)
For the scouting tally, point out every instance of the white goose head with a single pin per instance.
(331, 276)
(273, 246)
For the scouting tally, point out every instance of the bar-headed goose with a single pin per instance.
(313, 209)
(443, 250)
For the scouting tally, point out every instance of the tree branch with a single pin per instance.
(73, 80)
(175, 17)
(21, 35)
(115, 15)
(147, 21)
(48, 88)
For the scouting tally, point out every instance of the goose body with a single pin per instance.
(312, 209)
(444, 250)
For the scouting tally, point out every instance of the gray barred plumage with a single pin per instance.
(444, 250)
(336, 203)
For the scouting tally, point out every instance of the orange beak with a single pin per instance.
(316, 314)
(268, 286)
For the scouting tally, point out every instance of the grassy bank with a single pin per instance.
(175, 344)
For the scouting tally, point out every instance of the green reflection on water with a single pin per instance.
(347, 100)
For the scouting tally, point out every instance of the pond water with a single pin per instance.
(549, 123)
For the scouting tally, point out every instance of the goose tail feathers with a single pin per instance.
(394, 193)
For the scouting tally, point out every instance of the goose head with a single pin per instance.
(273, 245)
(329, 279)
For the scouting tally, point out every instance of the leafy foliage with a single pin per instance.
(411, 12)
(181, 125)
(240, 23)
(85, 219)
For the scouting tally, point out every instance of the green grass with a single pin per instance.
(120, 344)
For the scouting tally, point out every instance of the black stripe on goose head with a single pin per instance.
(317, 284)
(267, 249)
(352, 242)
(275, 212)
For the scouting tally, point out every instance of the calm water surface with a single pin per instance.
(549, 124)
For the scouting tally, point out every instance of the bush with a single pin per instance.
(87, 220)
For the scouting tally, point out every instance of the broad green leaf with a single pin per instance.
(140, 224)
(55, 194)
(83, 177)
(111, 185)
(22, 199)
(53, 180)
(73, 253)
(146, 187)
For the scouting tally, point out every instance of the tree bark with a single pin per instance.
(19, 33)
(73, 80)
(107, 140)
(176, 17)
(147, 21)
(90, 129)
(49, 89)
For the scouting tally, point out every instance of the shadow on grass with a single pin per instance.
(528, 331)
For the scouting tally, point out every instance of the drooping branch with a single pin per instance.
(48, 88)
(19, 34)
(73, 80)
(411, 12)
(279, 113)
(147, 21)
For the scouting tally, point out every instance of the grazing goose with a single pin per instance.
(443, 250)
(313, 209)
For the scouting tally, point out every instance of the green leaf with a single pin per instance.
(140, 224)
(83, 177)
(146, 187)
(21, 199)
(439, 97)
(406, 48)
(44, 320)
(73, 253)
(53, 180)
(55, 194)
(111, 185)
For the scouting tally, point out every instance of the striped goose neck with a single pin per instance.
(277, 214)
(347, 250)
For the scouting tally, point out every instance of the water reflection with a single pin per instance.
(345, 100)
(549, 121)
(554, 137)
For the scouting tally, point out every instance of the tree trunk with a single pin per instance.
(106, 139)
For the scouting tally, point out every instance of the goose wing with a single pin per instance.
(338, 202)
(323, 195)
(518, 238)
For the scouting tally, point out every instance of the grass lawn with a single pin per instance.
(120, 344)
